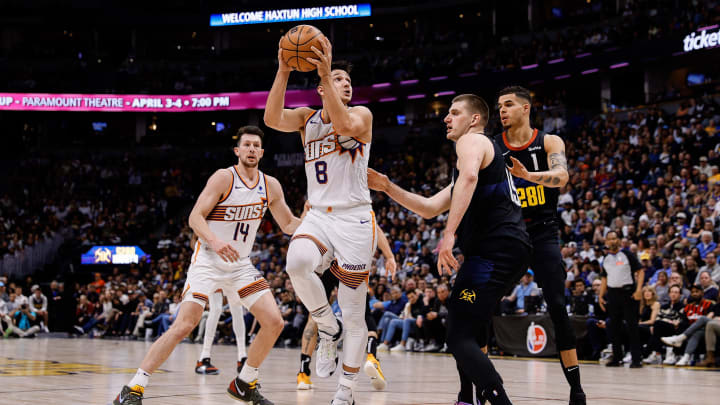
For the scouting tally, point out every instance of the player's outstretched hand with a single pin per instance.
(377, 181)
(518, 169)
(324, 57)
(282, 65)
(446, 260)
(224, 250)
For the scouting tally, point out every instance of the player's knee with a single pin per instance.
(274, 323)
(301, 257)
(181, 328)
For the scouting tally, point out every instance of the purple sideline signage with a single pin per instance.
(149, 103)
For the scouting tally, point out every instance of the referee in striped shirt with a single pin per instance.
(620, 272)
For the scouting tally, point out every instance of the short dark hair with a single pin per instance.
(476, 104)
(579, 280)
(251, 130)
(675, 286)
(518, 91)
(337, 65)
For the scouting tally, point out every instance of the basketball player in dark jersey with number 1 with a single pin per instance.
(485, 215)
(539, 167)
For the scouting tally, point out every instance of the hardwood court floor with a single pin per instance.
(87, 371)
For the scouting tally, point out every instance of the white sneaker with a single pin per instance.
(398, 348)
(684, 360)
(410, 344)
(670, 357)
(628, 358)
(653, 358)
(343, 396)
(382, 347)
(327, 359)
(674, 341)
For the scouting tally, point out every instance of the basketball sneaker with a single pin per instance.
(343, 396)
(204, 367)
(247, 392)
(303, 381)
(577, 398)
(674, 341)
(327, 359)
(373, 370)
(130, 396)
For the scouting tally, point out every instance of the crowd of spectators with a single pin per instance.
(650, 174)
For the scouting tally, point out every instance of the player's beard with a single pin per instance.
(249, 165)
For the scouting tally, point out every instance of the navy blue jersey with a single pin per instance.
(494, 215)
(539, 203)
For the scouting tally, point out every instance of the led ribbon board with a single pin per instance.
(290, 14)
(112, 255)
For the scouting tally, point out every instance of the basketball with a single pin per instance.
(296, 47)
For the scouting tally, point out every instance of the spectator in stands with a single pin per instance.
(39, 303)
(649, 309)
(515, 302)
(580, 302)
(391, 310)
(712, 330)
(698, 313)
(706, 244)
(405, 323)
(710, 289)
(433, 326)
(711, 266)
(668, 323)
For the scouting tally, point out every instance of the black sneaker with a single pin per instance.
(636, 364)
(204, 367)
(614, 363)
(577, 398)
(240, 364)
(130, 396)
(248, 392)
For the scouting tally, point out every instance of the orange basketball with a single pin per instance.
(295, 47)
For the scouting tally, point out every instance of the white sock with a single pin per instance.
(238, 323)
(141, 379)
(248, 373)
(216, 301)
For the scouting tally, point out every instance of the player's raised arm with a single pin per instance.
(423, 206)
(214, 190)
(276, 115)
(279, 209)
(355, 122)
(557, 176)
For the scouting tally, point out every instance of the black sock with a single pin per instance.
(572, 375)
(305, 364)
(372, 346)
(466, 388)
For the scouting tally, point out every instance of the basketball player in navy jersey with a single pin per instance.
(539, 167)
(486, 216)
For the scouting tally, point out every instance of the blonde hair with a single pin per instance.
(653, 300)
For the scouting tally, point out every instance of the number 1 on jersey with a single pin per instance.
(535, 163)
(244, 229)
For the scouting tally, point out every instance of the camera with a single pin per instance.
(24, 307)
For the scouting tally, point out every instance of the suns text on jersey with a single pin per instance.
(316, 149)
(244, 212)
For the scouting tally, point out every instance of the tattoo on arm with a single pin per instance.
(558, 160)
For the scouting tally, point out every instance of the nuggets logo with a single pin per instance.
(536, 338)
(468, 295)
(103, 255)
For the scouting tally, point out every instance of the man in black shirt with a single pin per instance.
(485, 214)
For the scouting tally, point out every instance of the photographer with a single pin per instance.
(22, 319)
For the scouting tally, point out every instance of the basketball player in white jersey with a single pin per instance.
(203, 365)
(337, 147)
(226, 217)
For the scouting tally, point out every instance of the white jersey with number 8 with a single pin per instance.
(336, 176)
